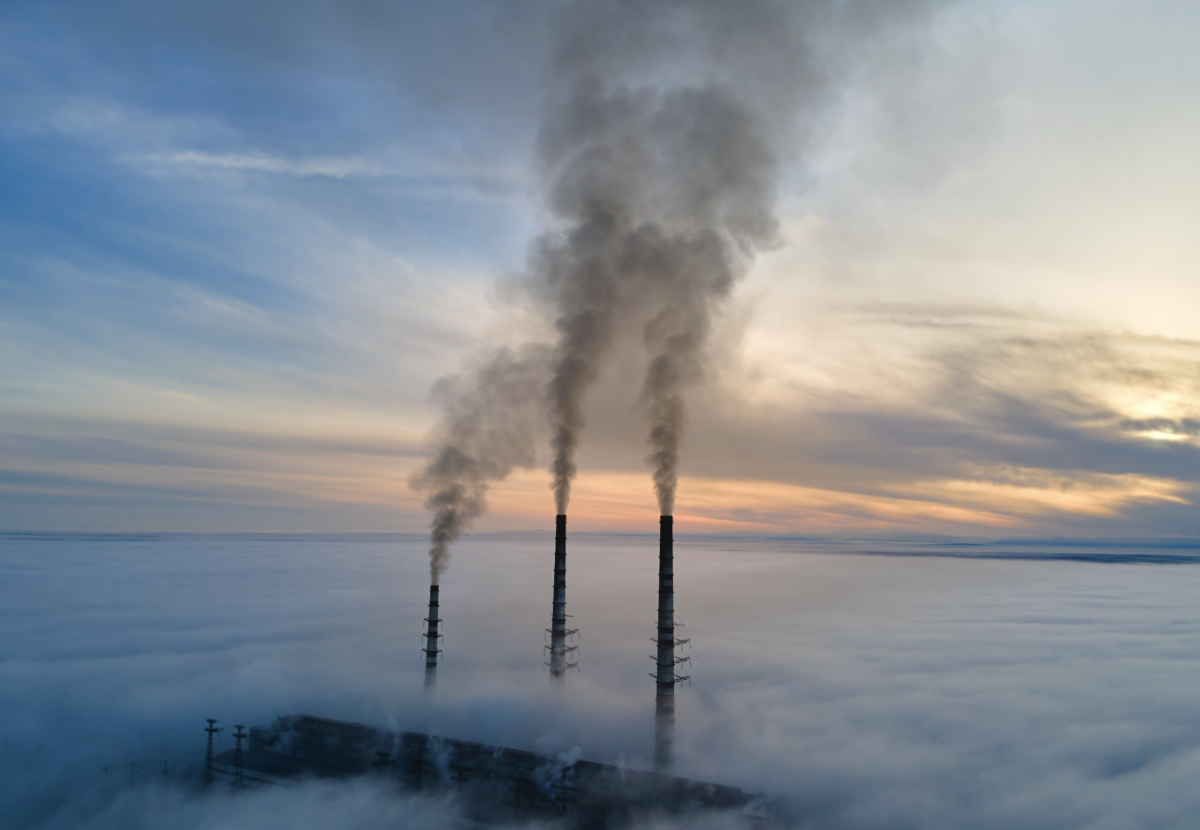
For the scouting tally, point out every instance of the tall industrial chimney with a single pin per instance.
(431, 639)
(665, 660)
(558, 616)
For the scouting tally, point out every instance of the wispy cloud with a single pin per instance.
(337, 168)
(333, 166)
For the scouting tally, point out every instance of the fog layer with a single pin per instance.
(866, 691)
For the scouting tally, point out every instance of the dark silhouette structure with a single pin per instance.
(211, 729)
(498, 786)
(559, 650)
(432, 635)
(665, 659)
(239, 776)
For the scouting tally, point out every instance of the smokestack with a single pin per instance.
(665, 661)
(431, 639)
(558, 616)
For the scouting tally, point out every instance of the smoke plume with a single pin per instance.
(657, 162)
(486, 429)
(580, 274)
(664, 194)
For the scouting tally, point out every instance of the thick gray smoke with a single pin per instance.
(668, 195)
(578, 272)
(664, 192)
(486, 429)
(657, 155)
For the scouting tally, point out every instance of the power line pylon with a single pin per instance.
(240, 779)
(209, 772)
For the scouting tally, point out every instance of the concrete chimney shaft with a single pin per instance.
(558, 614)
(664, 708)
(431, 639)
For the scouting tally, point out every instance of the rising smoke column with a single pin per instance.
(659, 172)
(726, 187)
(668, 195)
(579, 273)
(486, 429)
(656, 157)
(672, 186)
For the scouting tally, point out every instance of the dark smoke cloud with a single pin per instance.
(660, 161)
(659, 198)
(659, 166)
(664, 195)
(486, 429)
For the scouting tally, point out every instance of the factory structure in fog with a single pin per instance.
(666, 658)
(498, 783)
(658, 198)
(496, 786)
(666, 643)
(658, 160)
(659, 193)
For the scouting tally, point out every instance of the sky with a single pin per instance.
(239, 244)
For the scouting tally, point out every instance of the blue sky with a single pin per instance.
(238, 244)
(188, 218)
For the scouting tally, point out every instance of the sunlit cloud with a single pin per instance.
(615, 501)
(1033, 493)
